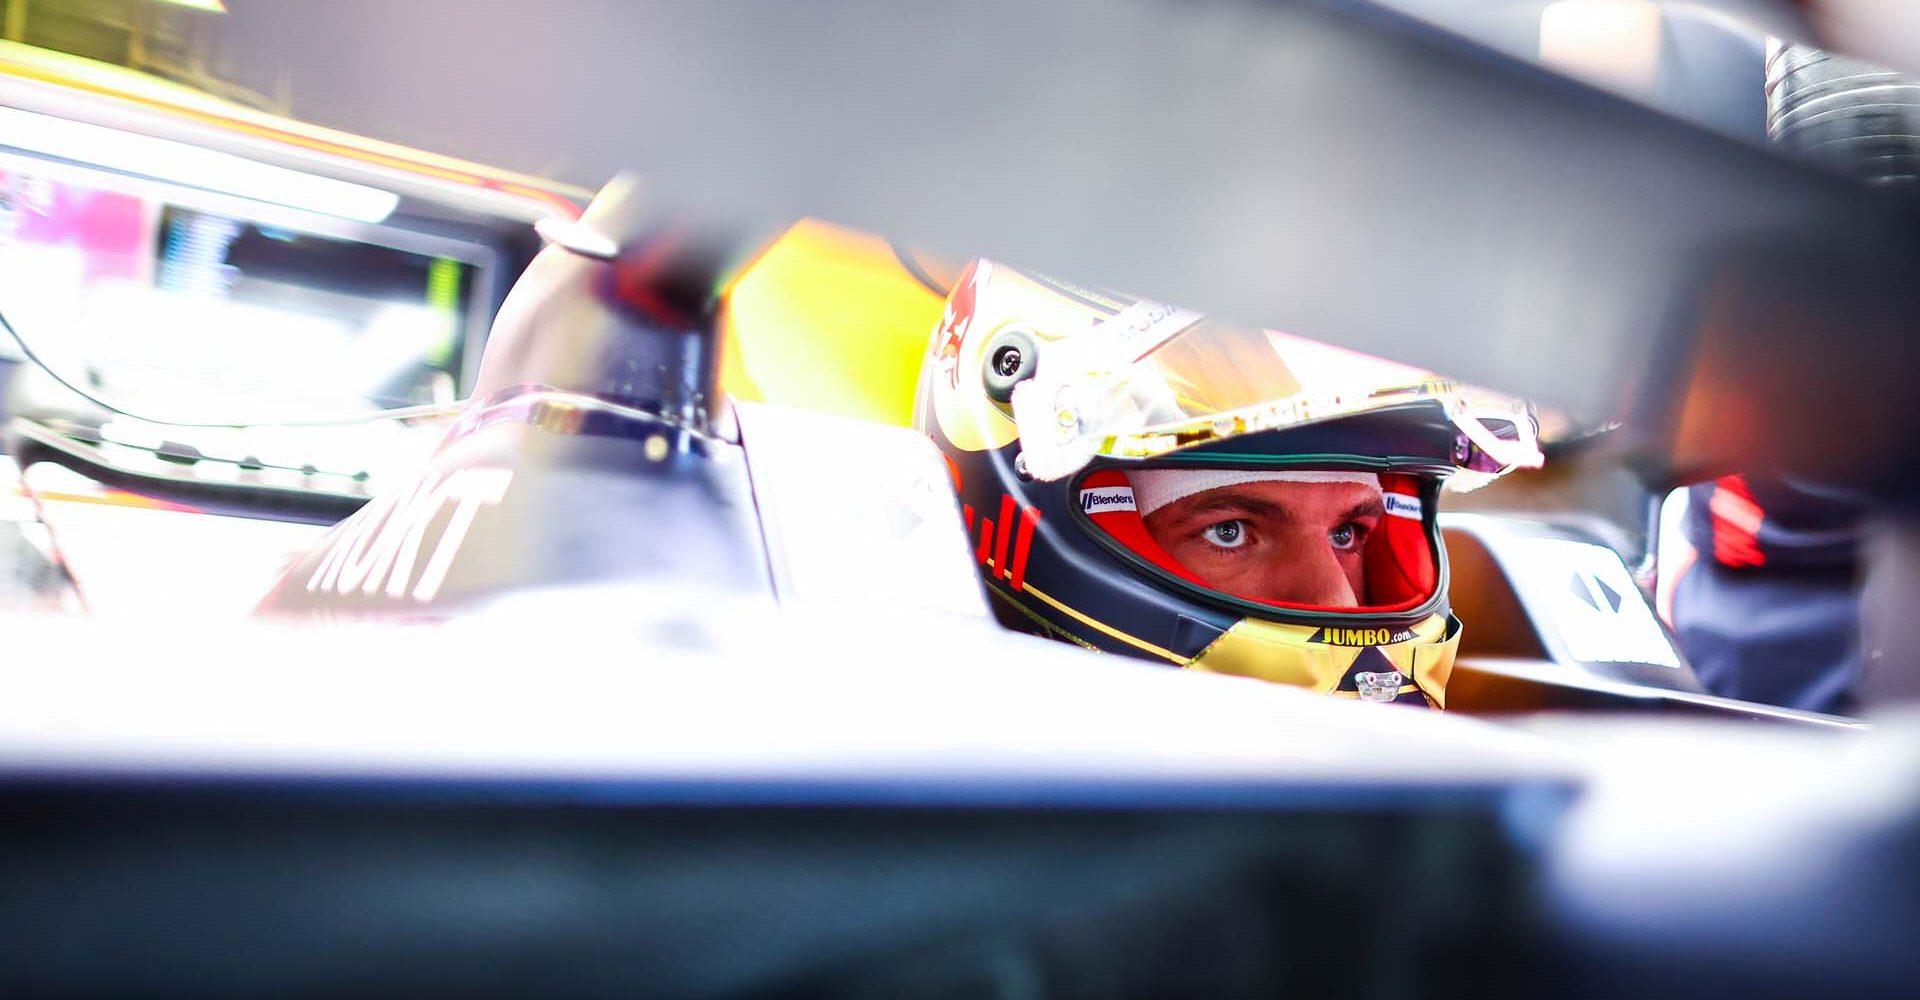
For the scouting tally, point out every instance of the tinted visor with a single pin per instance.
(1155, 379)
(1324, 540)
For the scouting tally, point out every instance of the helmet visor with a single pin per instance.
(1154, 379)
(1322, 540)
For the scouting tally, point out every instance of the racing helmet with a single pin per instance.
(1141, 479)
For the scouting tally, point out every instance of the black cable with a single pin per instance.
(907, 260)
(402, 413)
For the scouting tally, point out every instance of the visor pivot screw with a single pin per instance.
(1383, 686)
(1011, 359)
(1462, 449)
(1020, 468)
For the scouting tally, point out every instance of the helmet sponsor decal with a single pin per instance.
(954, 401)
(1402, 505)
(1139, 329)
(1361, 636)
(957, 319)
(1005, 548)
(1101, 499)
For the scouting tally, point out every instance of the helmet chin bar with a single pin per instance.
(1411, 668)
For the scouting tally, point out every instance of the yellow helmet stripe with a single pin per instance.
(1103, 627)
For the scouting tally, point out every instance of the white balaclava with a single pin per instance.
(1156, 488)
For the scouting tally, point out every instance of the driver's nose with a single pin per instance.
(1313, 576)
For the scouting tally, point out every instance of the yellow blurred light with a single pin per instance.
(828, 320)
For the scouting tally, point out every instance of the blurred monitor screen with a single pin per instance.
(150, 291)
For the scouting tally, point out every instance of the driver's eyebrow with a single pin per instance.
(1372, 506)
(1231, 503)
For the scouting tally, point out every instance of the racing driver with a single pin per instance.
(1141, 479)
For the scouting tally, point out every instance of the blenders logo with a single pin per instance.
(1402, 505)
(1101, 499)
(1361, 636)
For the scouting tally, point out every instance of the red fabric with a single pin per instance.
(1004, 533)
(1128, 529)
(1736, 523)
(1400, 564)
(1401, 571)
(1029, 519)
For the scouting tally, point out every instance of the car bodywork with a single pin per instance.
(762, 449)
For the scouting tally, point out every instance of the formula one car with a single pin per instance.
(627, 430)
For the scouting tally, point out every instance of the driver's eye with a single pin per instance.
(1226, 534)
(1346, 537)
